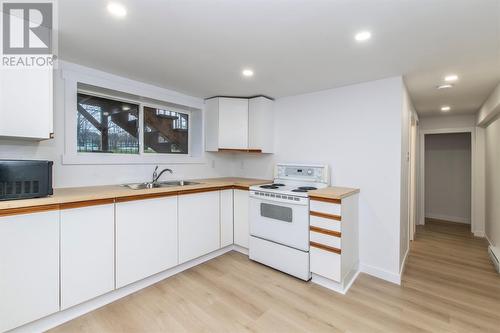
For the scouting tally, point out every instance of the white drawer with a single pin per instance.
(323, 223)
(324, 239)
(325, 207)
(326, 264)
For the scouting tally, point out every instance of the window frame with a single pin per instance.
(140, 130)
(70, 78)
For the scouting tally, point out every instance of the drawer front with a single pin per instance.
(323, 223)
(326, 264)
(327, 240)
(325, 207)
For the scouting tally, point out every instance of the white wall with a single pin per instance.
(447, 122)
(85, 175)
(408, 113)
(490, 108)
(448, 177)
(356, 130)
(493, 183)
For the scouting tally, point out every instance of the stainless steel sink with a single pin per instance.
(143, 186)
(177, 183)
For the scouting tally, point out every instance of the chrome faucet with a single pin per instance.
(157, 175)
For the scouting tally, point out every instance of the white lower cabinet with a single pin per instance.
(87, 253)
(226, 217)
(334, 241)
(146, 238)
(29, 268)
(241, 226)
(199, 224)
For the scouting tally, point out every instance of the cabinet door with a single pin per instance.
(146, 238)
(27, 92)
(87, 253)
(233, 123)
(199, 224)
(29, 268)
(226, 217)
(261, 124)
(241, 227)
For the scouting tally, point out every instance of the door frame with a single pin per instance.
(421, 196)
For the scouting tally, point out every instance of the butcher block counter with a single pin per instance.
(72, 197)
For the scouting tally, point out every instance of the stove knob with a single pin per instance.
(309, 172)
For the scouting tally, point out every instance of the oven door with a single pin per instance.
(286, 223)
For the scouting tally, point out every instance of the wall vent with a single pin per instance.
(494, 258)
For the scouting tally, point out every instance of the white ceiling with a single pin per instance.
(200, 47)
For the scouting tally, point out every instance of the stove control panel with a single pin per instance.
(310, 173)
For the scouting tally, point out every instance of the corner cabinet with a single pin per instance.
(239, 124)
(26, 103)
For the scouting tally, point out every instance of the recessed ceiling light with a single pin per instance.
(445, 108)
(117, 9)
(363, 36)
(445, 86)
(247, 72)
(451, 78)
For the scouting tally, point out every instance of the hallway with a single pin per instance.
(449, 286)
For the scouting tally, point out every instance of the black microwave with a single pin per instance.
(23, 179)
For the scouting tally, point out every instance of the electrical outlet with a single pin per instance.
(242, 165)
(213, 164)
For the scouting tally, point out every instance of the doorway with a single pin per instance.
(447, 171)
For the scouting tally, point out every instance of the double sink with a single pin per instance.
(143, 186)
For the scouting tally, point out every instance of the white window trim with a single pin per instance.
(72, 157)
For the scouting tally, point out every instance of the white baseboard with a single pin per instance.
(381, 273)
(480, 234)
(240, 249)
(456, 219)
(61, 317)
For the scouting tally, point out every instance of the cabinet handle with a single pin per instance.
(326, 216)
(326, 231)
(325, 247)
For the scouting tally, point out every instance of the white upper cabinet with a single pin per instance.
(29, 268)
(239, 124)
(261, 124)
(233, 123)
(26, 103)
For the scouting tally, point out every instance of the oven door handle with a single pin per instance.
(279, 203)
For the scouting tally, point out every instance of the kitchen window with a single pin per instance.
(112, 125)
(165, 131)
(107, 126)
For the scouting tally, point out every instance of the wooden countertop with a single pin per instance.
(95, 193)
(333, 192)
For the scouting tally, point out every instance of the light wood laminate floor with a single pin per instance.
(449, 286)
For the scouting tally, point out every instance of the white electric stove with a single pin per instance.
(279, 218)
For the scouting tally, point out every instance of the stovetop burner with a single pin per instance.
(307, 188)
(299, 190)
(272, 186)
